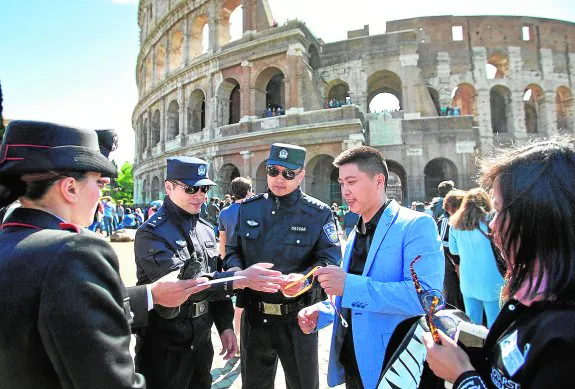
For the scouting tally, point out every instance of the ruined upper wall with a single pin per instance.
(495, 33)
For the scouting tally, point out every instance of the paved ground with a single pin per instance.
(226, 374)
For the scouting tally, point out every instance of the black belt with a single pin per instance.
(277, 309)
(197, 309)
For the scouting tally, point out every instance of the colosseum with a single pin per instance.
(504, 79)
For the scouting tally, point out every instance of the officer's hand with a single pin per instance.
(259, 277)
(332, 279)
(307, 319)
(169, 291)
(229, 344)
(290, 278)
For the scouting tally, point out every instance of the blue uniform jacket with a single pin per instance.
(294, 232)
(384, 295)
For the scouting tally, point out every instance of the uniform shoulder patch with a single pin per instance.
(331, 232)
(255, 197)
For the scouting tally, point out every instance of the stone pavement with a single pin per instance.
(226, 374)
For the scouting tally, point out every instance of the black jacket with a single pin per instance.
(62, 308)
(164, 243)
(527, 347)
(295, 233)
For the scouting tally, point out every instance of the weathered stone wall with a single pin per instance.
(209, 101)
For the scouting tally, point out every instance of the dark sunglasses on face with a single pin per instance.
(288, 174)
(192, 189)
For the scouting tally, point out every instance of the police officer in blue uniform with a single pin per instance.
(175, 350)
(295, 232)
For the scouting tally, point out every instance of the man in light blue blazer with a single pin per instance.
(373, 288)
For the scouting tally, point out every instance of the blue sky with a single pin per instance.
(73, 61)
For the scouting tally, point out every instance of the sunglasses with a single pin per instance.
(288, 174)
(306, 284)
(192, 189)
(431, 301)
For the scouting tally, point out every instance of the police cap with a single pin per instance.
(189, 170)
(288, 156)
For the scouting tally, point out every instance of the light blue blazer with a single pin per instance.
(384, 295)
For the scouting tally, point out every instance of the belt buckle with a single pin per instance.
(272, 309)
(201, 308)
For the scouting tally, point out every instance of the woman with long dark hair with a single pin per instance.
(480, 281)
(63, 308)
(532, 342)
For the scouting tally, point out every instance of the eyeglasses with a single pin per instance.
(432, 300)
(288, 174)
(307, 282)
(192, 189)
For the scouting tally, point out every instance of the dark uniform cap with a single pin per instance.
(108, 140)
(37, 147)
(288, 156)
(189, 170)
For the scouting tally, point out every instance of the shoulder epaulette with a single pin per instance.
(156, 219)
(255, 197)
(205, 222)
(313, 202)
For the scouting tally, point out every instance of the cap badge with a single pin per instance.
(283, 154)
(202, 170)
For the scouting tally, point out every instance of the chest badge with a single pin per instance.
(181, 243)
(298, 228)
(252, 223)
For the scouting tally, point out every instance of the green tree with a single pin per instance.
(123, 186)
(1, 117)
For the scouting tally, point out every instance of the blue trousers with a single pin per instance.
(474, 309)
(108, 226)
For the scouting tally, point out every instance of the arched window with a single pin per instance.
(196, 111)
(156, 122)
(173, 120)
(385, 88)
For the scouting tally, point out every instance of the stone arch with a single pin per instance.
(228, 102)
(145, 135)
(144, 191)
(337, 90)
(160, 61)
(148, 72)
(175, 53)
(270, 89)
(227, 173)
(435, 171)
(384, 81)
(464, 97)
(155, 189)
(533, 100)
(196, 111)
(228, 14)
(565, 109)
(261, 181)
(313, 57)
(156, 128)
(434, 94)
(196, 43)
(501, 110)
(497, 65)
(173, 120)
(320, 179)
(397, 181)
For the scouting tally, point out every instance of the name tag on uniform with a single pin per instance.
(298, 228)
(510, 355)
(181, 243)
(209, 244)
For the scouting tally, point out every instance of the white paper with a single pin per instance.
(219, 280)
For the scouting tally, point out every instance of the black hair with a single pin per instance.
(536, 222)
(240, 187)
(444, 187)
(367, 159)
